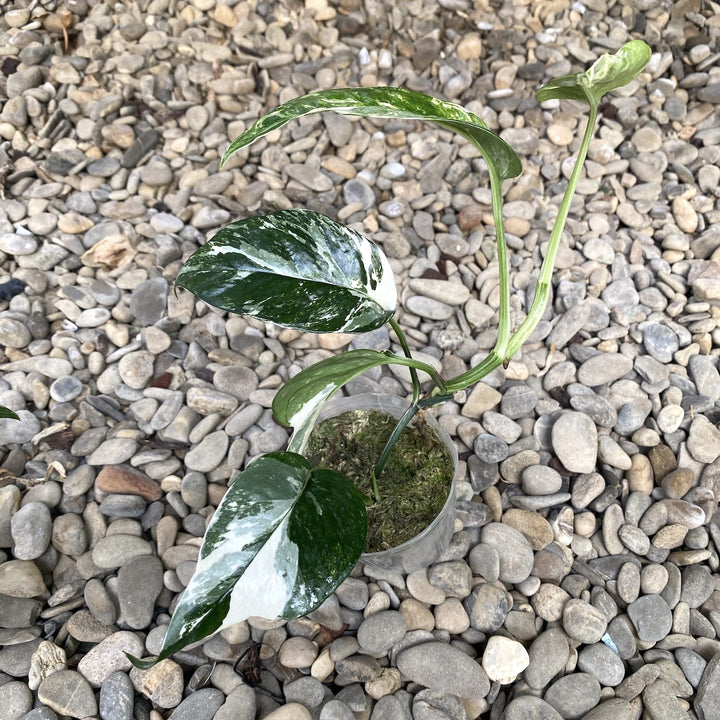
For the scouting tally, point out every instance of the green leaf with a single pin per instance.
(607, 73)
(296, 268)
(298, 402)
(7, 413)
(283, 538)
(389, 102)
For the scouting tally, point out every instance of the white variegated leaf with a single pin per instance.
(283, 538)
(296, 268)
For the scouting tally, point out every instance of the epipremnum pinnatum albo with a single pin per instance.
(286, 534)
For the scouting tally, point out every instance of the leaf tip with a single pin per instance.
(141, 664)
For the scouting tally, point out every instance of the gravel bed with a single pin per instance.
(582, 580)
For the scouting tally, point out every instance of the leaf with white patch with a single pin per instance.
(609, 72)
(390, 102)
(284, 536)
(296, 268)
(298, 402)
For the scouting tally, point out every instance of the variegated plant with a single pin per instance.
(286, 534)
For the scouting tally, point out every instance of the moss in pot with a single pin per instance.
(288, 531)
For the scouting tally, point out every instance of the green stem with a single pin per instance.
(402, 423)
(542, 289)
(500, 355)
(503, 335)
(406, 349)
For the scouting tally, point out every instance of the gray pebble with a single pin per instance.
(697, 585)
(574, 695)
(490, 449)
(390, 707)
(357, 191)
(66, 389)
(148, 301)
(528, 706)
(501, 426)
(602, 663)
(454, 578)
(239, 705)
(549, 654)
(541, 480)
(444, 668)
(15, 699)
(613, 709)
(660, 341)
(583, 622)
(514, 550)
(429, 705)
(574, 440)
(661, 702)
(117, 697)
(209, 453)
(12, 431)
(337, 710)
(379, 632)
(305, 690)
(31, 529)
(140, 581)
(604, 368)
(68, 693)
(40, 713)
(201, 705)
(518, 401)
(112, 452)
(487, 607)
(69, 535)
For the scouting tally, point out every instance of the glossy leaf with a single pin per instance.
(607, 73)
(296, 268)
(298, 402)
(7, 413)
(283, 538)
(389, 102)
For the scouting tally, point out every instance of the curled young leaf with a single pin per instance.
(607, 73)
(299, 401)
(390, 102)
(296, 268)
(284, 536)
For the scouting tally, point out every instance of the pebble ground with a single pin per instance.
(582, 578)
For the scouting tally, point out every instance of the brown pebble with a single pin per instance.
(640, 475)
(470, 217)
(678, 482)
(663, 461)
(127, 481)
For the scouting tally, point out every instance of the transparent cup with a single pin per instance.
(427, 546)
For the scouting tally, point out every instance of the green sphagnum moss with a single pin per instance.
(415, 481)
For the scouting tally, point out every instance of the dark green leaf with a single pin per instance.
(389, 102)
(7, 413)
(283, 538)
(296, 268)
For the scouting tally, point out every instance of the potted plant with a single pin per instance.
(288, 532)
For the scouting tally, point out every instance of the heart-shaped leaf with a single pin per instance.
(296, 268)
(283, 538)
(607, 73)
(390, 102)
(299, 401)
(7, 413)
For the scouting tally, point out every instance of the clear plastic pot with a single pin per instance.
(425, 548)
